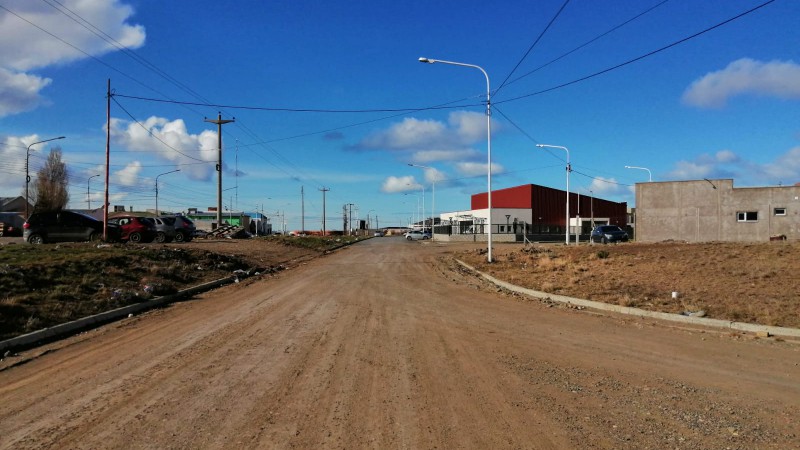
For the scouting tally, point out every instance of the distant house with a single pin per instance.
(14, 204)
(713, 210)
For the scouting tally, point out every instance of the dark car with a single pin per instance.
(185, 229)
(64, 226)
(609, 233)
(165, 229)
(135, 229)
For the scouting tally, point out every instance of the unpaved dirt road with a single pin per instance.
(383, 345)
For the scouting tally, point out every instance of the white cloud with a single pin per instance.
(475, 169)
(428, 156)
(392, 185)
(19, 92)
(129, 175)
(183, 148)
(25, 47)
(779, 79)
(784, 169)
(430, 138)
(609, 187)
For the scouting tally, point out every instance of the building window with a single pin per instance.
(747, 216)
(780, 211)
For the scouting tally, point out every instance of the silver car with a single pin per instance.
(416, 235)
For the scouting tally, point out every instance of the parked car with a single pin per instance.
(165, 229)
(416, 235)
(185, 229)
(135, 229)
(609, 233)
(64, 226)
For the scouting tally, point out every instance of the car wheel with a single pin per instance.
(36, 239)
(409, 238)
(161, 237)
(604, 240)
(180, 237)
(94, 237)
(135, 238)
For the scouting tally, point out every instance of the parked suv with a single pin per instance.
(185, 229)
(134, 228)
(63, 226)
(609, 233)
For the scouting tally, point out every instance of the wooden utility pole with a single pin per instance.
(219, 123)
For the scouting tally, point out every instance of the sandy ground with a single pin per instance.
(383, 345)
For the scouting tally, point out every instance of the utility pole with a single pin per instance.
(350, 222)
(324, 190)
(108, 159)
(220, 122)
(345, 229)
(302, 211)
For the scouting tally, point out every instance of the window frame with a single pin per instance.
(746, 216)
(779, 211)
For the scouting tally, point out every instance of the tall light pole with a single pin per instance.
(569, 169)
(27, 173)
(158, 213)
(88, 191)
(649, 174)
(433, 198)
(488, 140)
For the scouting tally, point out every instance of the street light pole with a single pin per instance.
(158, 213)
(88, 191)
(488, 139)
(27, 172)
(433, 198)
(569, 169)
(649, 174)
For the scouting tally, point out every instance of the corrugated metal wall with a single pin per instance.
(548, 204)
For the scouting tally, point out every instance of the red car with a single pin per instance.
(135, 229)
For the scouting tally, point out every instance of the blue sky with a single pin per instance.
(331, 94)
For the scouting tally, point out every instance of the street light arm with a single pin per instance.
(649, 174)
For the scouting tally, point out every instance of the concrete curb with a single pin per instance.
(715, 323)
(85, 323)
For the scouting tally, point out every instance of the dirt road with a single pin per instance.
(382, 345)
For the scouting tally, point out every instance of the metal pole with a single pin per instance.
(158, 213)
(219, 123)
(649, 174)
(27, 172)
(569, 169)
(488, 139)
(324, 190)
(88, 191)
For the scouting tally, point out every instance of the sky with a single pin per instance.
(332, 95)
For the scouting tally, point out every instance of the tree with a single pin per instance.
(51, 190)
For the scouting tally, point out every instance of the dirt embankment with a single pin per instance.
(743, 282)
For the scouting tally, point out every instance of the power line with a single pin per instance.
(638, 58)
(615, 28)
(536, 41)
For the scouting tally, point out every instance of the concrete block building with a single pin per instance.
(714, 210)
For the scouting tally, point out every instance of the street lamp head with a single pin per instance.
(540, 145)
(426, 60)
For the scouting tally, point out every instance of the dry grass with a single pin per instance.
(747, 282)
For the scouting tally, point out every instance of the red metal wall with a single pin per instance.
(548, 204)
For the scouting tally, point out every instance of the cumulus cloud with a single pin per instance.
(431, 140)
(19, 92)
(609, 187)
(727, 164)
(182, 147)
(474, 168)
(25, 48)
(779, 79)
(129, 175)
(392, 185)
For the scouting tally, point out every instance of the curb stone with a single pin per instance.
(714, 323)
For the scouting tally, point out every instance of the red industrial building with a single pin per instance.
(534, 209)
